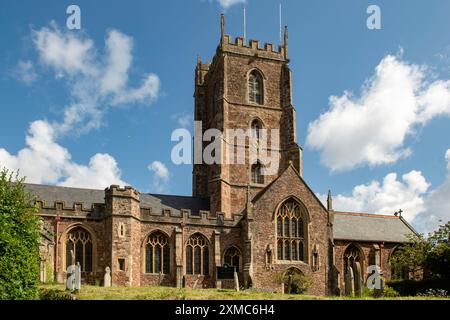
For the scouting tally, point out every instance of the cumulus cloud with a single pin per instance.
(44, 161)
(96, 82)
(225, 4)
(371, 129)
(184, 120)
(426, 209)
(437, 205)
(161, 176)
(25, 72)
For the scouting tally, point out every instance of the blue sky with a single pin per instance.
(396, 79)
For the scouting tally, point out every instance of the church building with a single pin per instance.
(267, 226)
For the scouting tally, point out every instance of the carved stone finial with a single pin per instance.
(329, 201)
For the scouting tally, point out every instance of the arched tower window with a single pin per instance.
(255, 88)
(256, 129)
(257, 173)
(290, 228)
(157, 253)
(197, 255)
(232, 258)
(79, 249)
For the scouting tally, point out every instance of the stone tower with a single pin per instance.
(246, 87)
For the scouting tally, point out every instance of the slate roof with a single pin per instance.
(51, 194)
(370, 227)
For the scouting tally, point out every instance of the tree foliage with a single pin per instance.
(19, 240)
(431, 254)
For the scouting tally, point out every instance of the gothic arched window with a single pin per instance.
(232, 258)
(290, 228)
(157, 253)
(255, 87)
(197, 255)
(256, 129)
(257, 173)
(79, 249)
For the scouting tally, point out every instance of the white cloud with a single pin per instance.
(161, 176)
(229, 3)
(425, 209)
(159, 169)
(25, 72)
(44, 161)
(386, 197)
(372, 129)
(437, 205)
(65, 52)
(184, 120)
(95, 82)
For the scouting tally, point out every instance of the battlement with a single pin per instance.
(97, 211)
(77, 209)
(117, 191)
(253, 48)
(204, 218)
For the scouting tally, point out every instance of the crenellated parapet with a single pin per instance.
(77, 209)
(253, 48)
(203, 218)
(126, 192)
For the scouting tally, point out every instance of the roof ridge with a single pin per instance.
(61, 187)
(366, 214)
(174, 195)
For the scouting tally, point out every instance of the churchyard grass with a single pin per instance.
(167, 293)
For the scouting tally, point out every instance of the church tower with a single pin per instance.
(246, 88)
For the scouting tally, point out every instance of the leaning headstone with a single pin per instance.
(349, 282)
(70, 280)
(236, 281)
(107, 278)
(378, 292)
(78, 277)
(357, 279)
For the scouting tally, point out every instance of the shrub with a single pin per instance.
(390, 292)
(414, 287)
(55, 294)
(19, 240)
(299, 282)
(434, 293)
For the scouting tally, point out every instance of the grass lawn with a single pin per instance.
(168, 293)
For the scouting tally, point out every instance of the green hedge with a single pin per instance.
(55, 294)
(19, 240)
(413, 287)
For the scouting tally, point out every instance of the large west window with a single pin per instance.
(197, 255)
(290, 228)
(157, 253)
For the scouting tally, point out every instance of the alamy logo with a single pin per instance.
(233, 146)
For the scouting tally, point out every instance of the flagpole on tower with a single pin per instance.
(245, 25)
(281, 35)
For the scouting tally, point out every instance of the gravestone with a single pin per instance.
(349, 282)
(78, 277)
(357, 279)
(236, 281)
(107, 278)
(73, 281)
